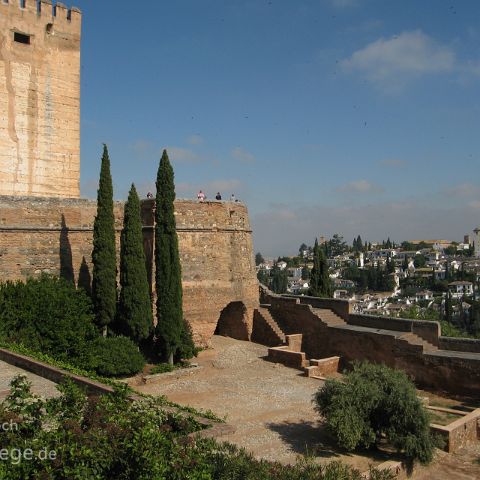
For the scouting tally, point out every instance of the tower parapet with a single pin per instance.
(40, 92)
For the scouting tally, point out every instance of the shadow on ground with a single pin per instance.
(313, 438)
(307, 438)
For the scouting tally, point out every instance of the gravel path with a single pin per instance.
(40, 386)
(268, 404)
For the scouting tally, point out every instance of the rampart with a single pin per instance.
(54, 235)
(39, 98)
(435, 362)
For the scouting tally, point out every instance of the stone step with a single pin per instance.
(267, 316)
(328, 317)
(414, 339)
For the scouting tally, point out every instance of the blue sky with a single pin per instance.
(324, 116)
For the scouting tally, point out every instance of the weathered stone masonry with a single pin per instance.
(215, 241)
(39, 99)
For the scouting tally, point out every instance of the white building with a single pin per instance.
(459, 289)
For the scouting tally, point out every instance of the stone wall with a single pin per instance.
(428, 330)
(39, 99)
(461, 432)
(215, 241)
(460, 344)
(441, 370)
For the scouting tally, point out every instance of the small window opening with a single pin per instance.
(49, 27)
(21, 38)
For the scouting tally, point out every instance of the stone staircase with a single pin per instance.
(331, 320)
(413, 339)
(275, 330)
(328, 317)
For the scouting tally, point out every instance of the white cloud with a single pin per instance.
(242, 155)
(393, 62)
(466, 189)
(195, 139)
(360, 186)
(182, 155)
(143, 148)
(393, 163)
(280, 231)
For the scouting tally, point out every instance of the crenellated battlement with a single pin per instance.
(44, 12)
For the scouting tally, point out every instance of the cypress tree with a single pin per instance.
(168, 282)
(104, 284)
(320, 285)
(448, 308)
(279, 279)
(134, 313)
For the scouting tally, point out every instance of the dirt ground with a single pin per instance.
(268, 404)
(270, 407)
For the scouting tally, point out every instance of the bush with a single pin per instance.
(47, 315)
(114, 357)
(162, 368)
(187, 348)
(374, 402)
(110, 437)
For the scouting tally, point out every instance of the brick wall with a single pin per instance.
(458, 372)
(215, 242)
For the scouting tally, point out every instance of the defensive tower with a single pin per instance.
(39, 99)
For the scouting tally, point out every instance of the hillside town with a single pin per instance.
(422, 279)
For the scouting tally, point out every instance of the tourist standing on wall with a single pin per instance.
(218, 196)
(200, 196)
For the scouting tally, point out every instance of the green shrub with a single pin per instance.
(162, 368)
(187, 348)
(48, 315)
(114, 357)
(372, 402)
(110, 437)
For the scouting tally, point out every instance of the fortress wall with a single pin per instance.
(215, 243)
(39, 99)
(456, 372)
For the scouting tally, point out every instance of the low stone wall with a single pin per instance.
(294, 342)
(323, 367)
(54, 374)
(57, 375)
(429, 331)
(461, 432)
(340, 307)
(460, 344)
(287, 357)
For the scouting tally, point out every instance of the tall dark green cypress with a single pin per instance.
(104, 283)
(320, 284)
(134, 312)
(168, 281)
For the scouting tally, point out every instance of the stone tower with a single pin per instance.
(477, 242)
(39, 99)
